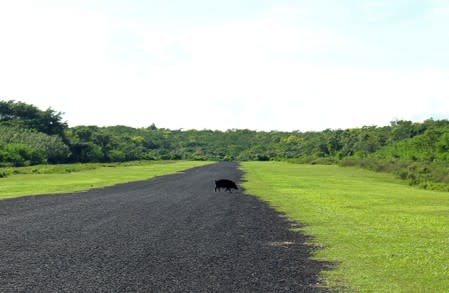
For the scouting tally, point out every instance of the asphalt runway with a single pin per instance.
(168, 234)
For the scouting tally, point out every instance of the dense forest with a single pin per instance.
(417, 152)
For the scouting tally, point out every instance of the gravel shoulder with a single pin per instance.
(168, 234)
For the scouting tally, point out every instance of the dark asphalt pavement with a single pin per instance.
(169, 234)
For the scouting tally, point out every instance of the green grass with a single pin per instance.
(383, 235)
(47, 179)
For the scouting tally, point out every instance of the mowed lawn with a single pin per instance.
(91, 177)
(382, 235)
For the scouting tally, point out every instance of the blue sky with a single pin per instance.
(264, 65)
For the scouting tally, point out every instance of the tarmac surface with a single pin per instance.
(168, 234)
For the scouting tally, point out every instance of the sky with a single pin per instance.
(237, 64)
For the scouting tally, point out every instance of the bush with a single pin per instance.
(50, 146)
(4, 173)
(428, 175)
(116, 156)
(21, 155)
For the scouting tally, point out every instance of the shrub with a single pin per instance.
(21, 154)
(3, 173)
(51, 147)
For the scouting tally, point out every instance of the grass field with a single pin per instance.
(382, 235)
(79, 177)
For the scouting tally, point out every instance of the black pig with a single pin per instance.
(225, 183)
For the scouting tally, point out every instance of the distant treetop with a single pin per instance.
(20, 114)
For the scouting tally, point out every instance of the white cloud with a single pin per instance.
(49, 52)
(242, 74)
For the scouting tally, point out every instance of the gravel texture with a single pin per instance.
(168, 234)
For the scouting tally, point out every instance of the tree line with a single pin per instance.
(416, 151)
